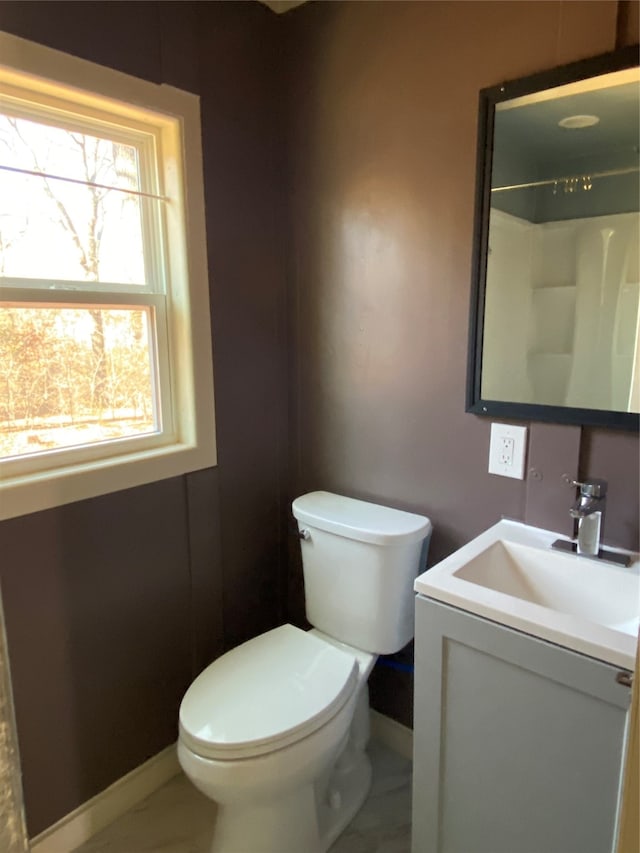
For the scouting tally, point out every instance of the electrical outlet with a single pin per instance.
(507, 450)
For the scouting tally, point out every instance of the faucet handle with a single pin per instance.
(593, 487)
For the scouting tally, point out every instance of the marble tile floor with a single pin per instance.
(178, 819)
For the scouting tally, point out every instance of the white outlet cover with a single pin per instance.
(519, 436)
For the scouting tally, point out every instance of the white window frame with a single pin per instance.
(187, 440)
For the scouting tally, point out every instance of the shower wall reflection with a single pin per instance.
(562, 329)
(13, 835)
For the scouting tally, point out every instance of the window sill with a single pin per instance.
(44, 490)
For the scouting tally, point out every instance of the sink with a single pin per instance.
(509, 574)
(579, 588)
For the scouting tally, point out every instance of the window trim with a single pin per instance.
(176, 114)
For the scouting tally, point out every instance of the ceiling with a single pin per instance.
(281, 6)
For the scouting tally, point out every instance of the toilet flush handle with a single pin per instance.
(303, 533)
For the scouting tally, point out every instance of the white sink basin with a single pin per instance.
(580, 588)
(510, 574)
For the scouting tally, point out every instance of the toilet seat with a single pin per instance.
(266, 694)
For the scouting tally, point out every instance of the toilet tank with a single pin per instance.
(360, 561)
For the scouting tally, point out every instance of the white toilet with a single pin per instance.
(275, 730)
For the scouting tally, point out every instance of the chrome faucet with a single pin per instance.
(588, 510)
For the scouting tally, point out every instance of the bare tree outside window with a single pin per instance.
(79, 374)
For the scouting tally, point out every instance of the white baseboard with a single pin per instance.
(89, 818)
(391, 734)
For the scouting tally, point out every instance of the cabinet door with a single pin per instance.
(518, 743)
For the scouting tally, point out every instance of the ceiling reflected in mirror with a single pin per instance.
(549, 151)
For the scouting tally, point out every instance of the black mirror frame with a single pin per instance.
(627, 57)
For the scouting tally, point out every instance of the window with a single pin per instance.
(106, 379)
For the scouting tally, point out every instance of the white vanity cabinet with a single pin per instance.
(518, 743)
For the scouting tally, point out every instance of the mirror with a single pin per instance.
(555, 315)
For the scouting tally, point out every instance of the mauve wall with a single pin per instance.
(384, 100)
(113, 604)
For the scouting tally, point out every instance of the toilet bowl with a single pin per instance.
(275, 730)
(266, 764)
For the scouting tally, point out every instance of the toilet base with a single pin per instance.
(342, 800)
(285, 825)
(309, 819)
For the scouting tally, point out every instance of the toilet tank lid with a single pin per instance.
(361, 520)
